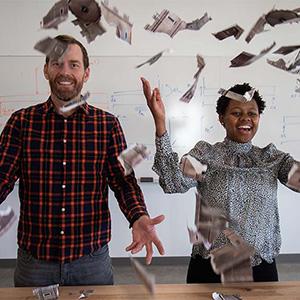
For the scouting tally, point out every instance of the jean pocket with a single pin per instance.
(101, 251)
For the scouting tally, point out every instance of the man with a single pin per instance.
(65, 163)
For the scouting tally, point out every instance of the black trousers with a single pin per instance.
(200, 271)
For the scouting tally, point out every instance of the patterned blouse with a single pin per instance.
(241, 179)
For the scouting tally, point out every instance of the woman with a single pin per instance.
(241, 179)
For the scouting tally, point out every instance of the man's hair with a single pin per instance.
(69, 40)
(241, 89)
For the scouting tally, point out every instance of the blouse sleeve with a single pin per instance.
(285, 163)
(166, 165)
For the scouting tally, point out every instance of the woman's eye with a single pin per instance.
(252, 114)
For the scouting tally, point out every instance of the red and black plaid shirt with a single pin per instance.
(65, 166)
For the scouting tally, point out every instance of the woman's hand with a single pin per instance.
(156, 106)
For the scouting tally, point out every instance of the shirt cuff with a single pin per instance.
(163, 144)
(136, 217)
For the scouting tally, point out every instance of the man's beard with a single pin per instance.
(65, 94)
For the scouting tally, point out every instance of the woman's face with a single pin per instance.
(240, 120)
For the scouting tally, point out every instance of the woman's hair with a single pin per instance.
(241, 89)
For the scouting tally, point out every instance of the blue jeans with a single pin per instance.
(91, 269)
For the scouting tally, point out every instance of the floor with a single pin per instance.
(164, 272)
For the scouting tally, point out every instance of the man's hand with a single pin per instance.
(144, 234)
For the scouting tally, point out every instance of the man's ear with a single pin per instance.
(86, 74)
(46, 71)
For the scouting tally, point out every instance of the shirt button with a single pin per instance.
(65, 141)
(63, 209)
(64, 163)
(62, 232)
(63, 186)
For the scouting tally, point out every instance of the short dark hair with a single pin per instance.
(69, 40)
(241, 89)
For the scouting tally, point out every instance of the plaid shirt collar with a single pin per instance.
(48, 107)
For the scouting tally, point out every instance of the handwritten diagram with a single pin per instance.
(290, 129)
(115, 86)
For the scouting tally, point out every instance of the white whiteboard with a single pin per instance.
(115, 86)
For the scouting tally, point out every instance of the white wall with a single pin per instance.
(19, 31)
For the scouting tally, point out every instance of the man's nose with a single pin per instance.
(64, 68)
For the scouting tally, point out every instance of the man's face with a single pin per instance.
(67, 76)
(240, 120)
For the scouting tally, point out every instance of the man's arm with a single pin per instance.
(10, 149)
(130, 198)
(125, 188)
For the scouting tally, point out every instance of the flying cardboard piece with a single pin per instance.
(198, 23)
(147, 278)
(291, 67)
(189, 94)
(281, 64)
(75, 103)
(245, 58)
(294, 177)
(196, 238)
(234, 30)
(88, 14)
(258, 27)
(281, 16)
(90, 30)
(200, 65)
(273, 17)
(122, 23)
(132, 156)
(235, 96)
(209, 223)
(192, 168)
(233, 261)
(56, 15)
(297, 89)
(153, 59)
(169, 23)
(86, 11)
(52, 48)
(284, 50)
(7, 218)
